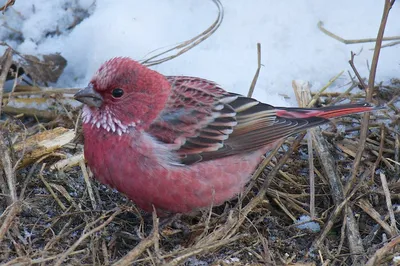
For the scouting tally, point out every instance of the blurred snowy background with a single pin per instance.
(292, 45)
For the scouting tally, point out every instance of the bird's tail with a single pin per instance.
(325, 112)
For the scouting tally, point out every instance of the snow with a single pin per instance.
(304, 224)
(292, 45)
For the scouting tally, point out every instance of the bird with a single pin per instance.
(180, 143)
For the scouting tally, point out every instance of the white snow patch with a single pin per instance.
(305, 225)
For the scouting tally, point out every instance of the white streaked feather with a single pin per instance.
(106, 120)
(218, 107)
(246, 106)
(228, 115)
(266, 113)
(224, 124)
(228, 99)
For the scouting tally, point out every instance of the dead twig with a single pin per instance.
(254, 82)
(59, 202)
(321, 91)
(207, 248)
(189, 44)
(8, 217)
(61, 259)
(369, 90)
(7, 5)
(354, 237)
(25, 90)
(393, 227)
(303, 96)
(8, 168)
(347, 41)
(360, 79)
(5, 65)
(390, 44)
(88, 184)
(380, 253)
(146, 243)
(335, 213)
(370, 210)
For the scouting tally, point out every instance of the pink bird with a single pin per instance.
(181, 143)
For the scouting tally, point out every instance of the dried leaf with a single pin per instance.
(47, 70)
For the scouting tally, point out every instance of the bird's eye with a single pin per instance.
(117, 93)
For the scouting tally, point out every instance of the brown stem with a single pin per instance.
(370, 88)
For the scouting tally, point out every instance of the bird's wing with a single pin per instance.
(202, 121)
(195, 118)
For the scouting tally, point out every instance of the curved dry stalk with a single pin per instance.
(10, 213)
(185, 46)
(354, 41)
(369, 89)
(255, 78)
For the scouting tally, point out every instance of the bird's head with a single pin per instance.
(123, 94)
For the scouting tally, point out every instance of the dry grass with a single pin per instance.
(56, 215)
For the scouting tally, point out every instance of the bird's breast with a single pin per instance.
(140, 168)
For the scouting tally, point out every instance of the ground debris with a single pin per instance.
(55, 209)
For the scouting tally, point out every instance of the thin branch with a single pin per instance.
(347, 41)
(5, 67)
(146, 243)
(10, 213)
(380, 253)
(60, 261)
(303, 96)
(88, 184)
(253, 83)
(360, 79)
(370, 88)
(377, 50)
(189, 44)
(7, 166)
(393, 227)
(59, 202)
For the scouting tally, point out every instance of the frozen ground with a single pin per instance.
(292, 45)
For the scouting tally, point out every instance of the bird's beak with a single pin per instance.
(89, 97)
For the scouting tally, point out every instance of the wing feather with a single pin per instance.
(205, 122)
